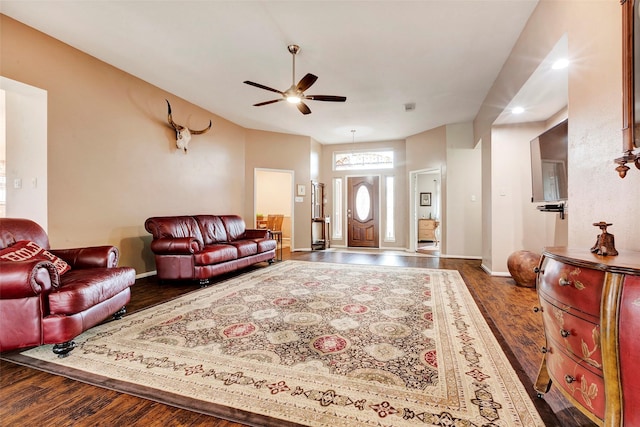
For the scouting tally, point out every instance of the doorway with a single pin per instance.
(363, 224)
(426, 211)
(23, 151)
(273, 195)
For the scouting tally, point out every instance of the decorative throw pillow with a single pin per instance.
(24, 250)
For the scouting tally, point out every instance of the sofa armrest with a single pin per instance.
(23, 279)
(89, 257)
(253, 233)
(175, 246)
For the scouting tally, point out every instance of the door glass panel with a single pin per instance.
(363, 203)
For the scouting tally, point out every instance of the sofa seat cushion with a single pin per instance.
(245, 247)
(265, 245)
(216, 253)
(84, 288)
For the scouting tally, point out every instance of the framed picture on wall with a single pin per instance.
(425, 199)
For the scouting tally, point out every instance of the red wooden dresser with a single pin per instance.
(590, 308)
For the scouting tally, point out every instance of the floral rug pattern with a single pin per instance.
(322, 345)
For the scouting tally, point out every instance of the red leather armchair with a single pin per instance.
(38, 305)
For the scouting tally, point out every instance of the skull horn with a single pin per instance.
(170, 119)
(199, 132)
(179, 128)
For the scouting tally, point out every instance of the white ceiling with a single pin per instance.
(546, 91)
(442, 55)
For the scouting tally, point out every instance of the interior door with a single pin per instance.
(362, 211)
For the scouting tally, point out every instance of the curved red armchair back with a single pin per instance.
(42, 304)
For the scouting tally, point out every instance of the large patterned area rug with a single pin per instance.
(312, 344)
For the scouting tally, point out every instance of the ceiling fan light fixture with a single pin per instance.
(295, 94)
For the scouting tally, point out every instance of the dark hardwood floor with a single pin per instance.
(32, 397)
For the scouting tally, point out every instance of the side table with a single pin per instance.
(277, 236)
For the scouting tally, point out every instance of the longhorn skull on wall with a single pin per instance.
(183, 133)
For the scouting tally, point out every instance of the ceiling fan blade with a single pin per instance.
(263, 87)
(331, 98)
(260, 104)
(306, 82)
(303, 108)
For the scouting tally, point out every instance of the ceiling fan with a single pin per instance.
(295, 94)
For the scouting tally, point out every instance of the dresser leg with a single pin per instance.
(543, 382)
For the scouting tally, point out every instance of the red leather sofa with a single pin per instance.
(50, 296)
(200, 247)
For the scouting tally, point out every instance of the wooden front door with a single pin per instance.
(362, 211)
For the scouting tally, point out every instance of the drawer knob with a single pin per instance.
(544, 350)
(564, 333)
(564, 282)
(537, 309)
(536, 270)
(569, 379)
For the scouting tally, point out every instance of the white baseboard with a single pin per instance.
(460, 256)
(495, 273)
(147, 274)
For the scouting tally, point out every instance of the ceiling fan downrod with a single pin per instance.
(293, 49)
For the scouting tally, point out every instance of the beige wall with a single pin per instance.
(111, 156)
(273, 150)
(451, 149)
(518, 225)
(595, 119)
(426, 151)
(463, 221)
(112, 160)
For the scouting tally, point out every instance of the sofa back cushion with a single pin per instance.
(212, 228)
(13, 230)
(234, 225)
(174, 226)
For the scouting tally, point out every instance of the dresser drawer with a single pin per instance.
(427, 229)
(576, 332)
(427, 224)
(571, 285)
(577, 381)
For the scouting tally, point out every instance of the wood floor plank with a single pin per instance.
(32, 397)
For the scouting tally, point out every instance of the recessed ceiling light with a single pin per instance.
(560, 64)
(517, 110)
